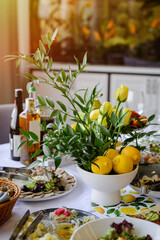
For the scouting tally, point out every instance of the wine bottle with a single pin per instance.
(14, 135)
(29, 120)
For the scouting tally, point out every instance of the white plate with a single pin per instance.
(98, 228)
(56, 195)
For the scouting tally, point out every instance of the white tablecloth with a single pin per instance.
(79, 198)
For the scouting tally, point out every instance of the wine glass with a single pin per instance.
(135, 101)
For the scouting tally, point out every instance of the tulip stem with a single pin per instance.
(119, 102)
(119, 130)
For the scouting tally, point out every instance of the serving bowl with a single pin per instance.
(6, 207)
(148, 170)
(106, 188)
(98, 228)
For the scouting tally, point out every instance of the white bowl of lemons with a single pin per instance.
(110, 174)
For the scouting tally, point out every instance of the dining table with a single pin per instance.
(78, 198)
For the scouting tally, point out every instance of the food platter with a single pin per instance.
(150, 171)
(67, 179)
(49, 223)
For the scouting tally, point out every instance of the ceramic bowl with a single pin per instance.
(149, 170)
(98, 228)
(106, 188)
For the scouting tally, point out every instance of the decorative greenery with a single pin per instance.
(95, 128)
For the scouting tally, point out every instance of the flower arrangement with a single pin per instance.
(96, 127)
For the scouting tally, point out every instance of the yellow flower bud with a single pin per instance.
(94, 114)
(121, 93)
(74, 126)
(127, 116)
(96, 103)
(100, 122)
(106, 108)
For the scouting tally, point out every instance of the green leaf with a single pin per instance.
(70, 130)
(62, 106)
(46, 151)
(110, 210)
(34, 136)
(63, 74)
(50, 102)
(32, 76)
(18, 61)
(80, 98)
(117, 212)
(30, 143)
(78, 64)
(114, 119)
(151, 118)
(94, 204)
(49, 64)
(41, 100)
(25, 133)
(22, 143)
(36, 153)
(35, 163)
(84, 59)
(105, 131)
(54, 34)
(54, 113)
(139, 199)
(57, 160)
(42, 47)
(45, 39)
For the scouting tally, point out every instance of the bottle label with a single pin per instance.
(11, 142)
(16, 143)
(34, 126)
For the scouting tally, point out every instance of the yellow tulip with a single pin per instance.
(121, 93)
(96, 103)
(127, 117)
(106, 108)
(94, 114)
(100, 122)
(74, 126)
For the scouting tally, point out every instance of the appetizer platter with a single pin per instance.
(41, 183)
(151, 215)
(54, 224)
(147, 180)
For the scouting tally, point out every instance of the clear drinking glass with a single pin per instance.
(135, 101)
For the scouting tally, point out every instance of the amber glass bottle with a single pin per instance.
(29, 121)
(14, 134)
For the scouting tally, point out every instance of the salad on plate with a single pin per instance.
(123, 231)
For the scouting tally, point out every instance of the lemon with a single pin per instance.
(122, 191)
(143, 209)
(122, 164)
(111, 153)
(99, 210)
(128, 198)
(128, 210)
(104, 165)
(133, 153)
(133, 192)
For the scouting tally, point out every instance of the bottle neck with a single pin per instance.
(18, 101)
(30, 105)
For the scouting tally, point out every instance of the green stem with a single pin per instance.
(119, 130)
